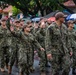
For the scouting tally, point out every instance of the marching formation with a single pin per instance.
(55, 42)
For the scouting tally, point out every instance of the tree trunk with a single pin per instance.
(39, 7)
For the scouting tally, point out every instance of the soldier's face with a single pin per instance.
(43, 25)
(30, 25)
(62, 20)
(27, 29)
(35, 25)
(22, 22)
(71, 25)
(17, 24)
(3, 23)
(49, 22)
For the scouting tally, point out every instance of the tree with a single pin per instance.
(33, 6)
(44, 4)
(60, 4)
(15, 11)
(3, 5)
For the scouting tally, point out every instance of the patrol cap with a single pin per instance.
(21, 20)
(3, 19)
(17, 21)
(28, 22)
(70, 22)
(24, 26)
(60, 15)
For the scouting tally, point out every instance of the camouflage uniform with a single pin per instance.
(25, 55)
(33, 32)
(16, 45)
(40, 36)
(57, 43)
(5, 46)
(72, 36)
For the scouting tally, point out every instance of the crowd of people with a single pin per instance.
(55, 42)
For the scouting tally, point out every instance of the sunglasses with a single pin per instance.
(71, 23)
(29, 26)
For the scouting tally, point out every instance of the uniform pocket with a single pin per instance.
(66, 61)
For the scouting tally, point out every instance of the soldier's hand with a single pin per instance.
(12, 28)
(71, 53)
(49, 56)
(42, 49)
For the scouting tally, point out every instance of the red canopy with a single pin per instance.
(52, 19)
(1, 10)
(69, 3)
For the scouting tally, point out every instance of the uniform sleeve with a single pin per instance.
(48, 39)
(39, 36)
(75, 34)
(8, 23)
(37, 44)
(22, 36)
(34, 42)
(17, 33)
(69, 44)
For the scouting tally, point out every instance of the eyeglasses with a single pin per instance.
(71, 23)
(29, 26)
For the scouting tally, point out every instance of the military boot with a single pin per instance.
(6, 66)
(65, 73)
(73, 71)
(43, 73)
(20, 73)
(32, 69)
(56, 74)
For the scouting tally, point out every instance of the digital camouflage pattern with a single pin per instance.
(57, 43)
(72, 36)
(16, 45)
(40, 36)
(25, 55)
(5, 46)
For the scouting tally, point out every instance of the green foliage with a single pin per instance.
(15, 11)
(33, 6)
(3, 5)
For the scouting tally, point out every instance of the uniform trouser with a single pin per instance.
(13, 56)
(4, 56)
(43, 60)
(74, 58)
(26, 62)
(60, 63)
